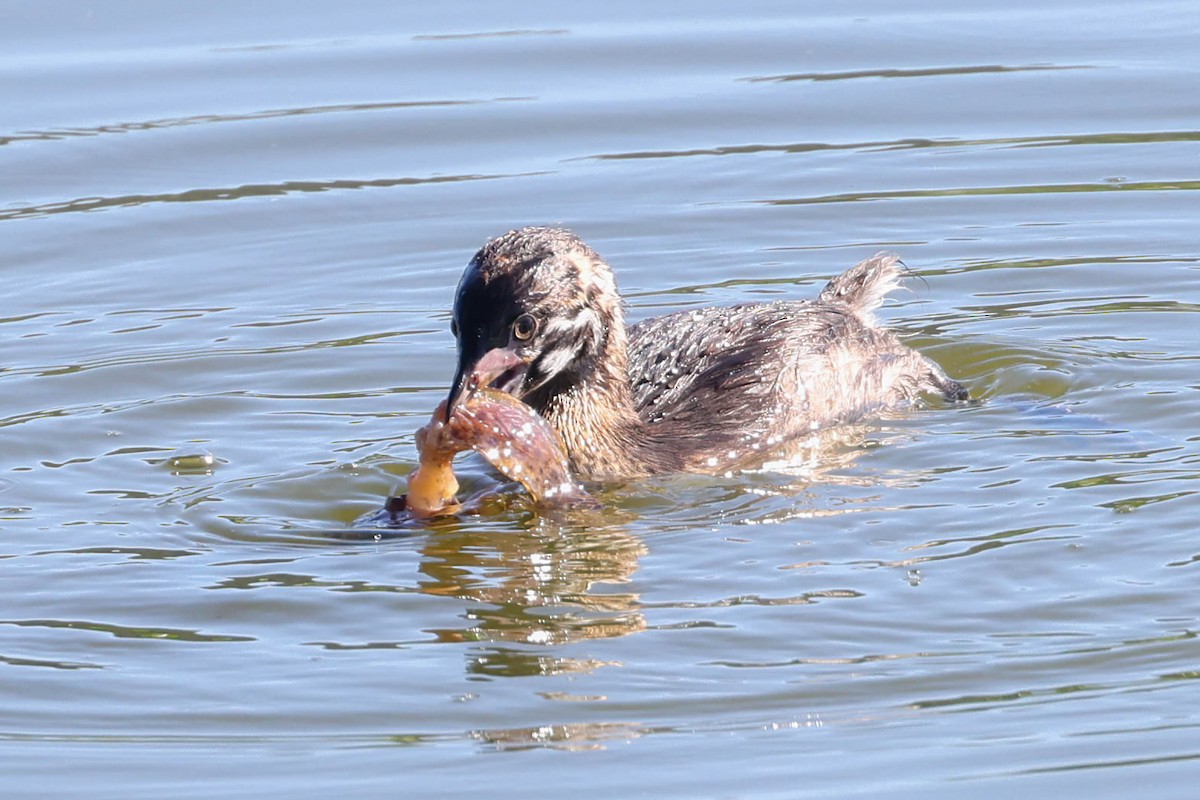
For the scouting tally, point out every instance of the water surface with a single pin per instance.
(231, 238)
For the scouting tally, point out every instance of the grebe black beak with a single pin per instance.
(500, 368)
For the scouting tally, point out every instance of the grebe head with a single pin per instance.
(534, 309)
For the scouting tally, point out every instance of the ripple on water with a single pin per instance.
(1002, 591)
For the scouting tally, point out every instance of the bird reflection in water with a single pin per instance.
(549, 586)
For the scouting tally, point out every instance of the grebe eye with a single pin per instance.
(454, 328)
(524, 327)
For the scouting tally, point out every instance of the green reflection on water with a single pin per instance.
(128, 632)
(989, 191)
(1134, 503)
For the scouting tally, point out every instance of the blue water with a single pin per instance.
(231, 236)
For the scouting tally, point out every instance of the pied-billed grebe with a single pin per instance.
(537, 314)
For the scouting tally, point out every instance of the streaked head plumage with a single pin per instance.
(541, 296)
